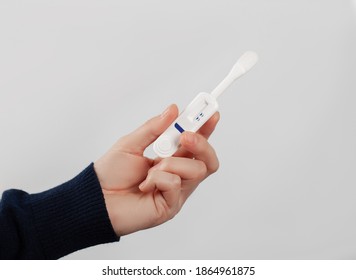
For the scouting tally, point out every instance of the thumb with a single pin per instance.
(138, 140)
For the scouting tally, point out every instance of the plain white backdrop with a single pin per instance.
(76, 75)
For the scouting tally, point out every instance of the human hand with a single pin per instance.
(141, 192)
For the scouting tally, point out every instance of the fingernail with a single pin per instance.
(141, 185)
(190, 138)
(165, 112)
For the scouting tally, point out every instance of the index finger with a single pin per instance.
(200, 148)
(206, 130)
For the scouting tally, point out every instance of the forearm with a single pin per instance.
(56, 222)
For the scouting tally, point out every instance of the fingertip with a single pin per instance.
(138, 140)
(202, 150)
(213, 121)
(170, 112)
(142, 186)
(188, 138)
(208, 128)
(161, 123)
(216, 117)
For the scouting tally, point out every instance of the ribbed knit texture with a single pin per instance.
(61, 220)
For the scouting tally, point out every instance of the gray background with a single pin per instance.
(75, 75)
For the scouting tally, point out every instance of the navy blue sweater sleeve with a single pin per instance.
(56, 222)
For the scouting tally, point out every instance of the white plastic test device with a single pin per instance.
(203, 106)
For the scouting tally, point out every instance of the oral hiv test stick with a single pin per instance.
(203, 106)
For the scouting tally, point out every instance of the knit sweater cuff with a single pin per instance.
(72, 216)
